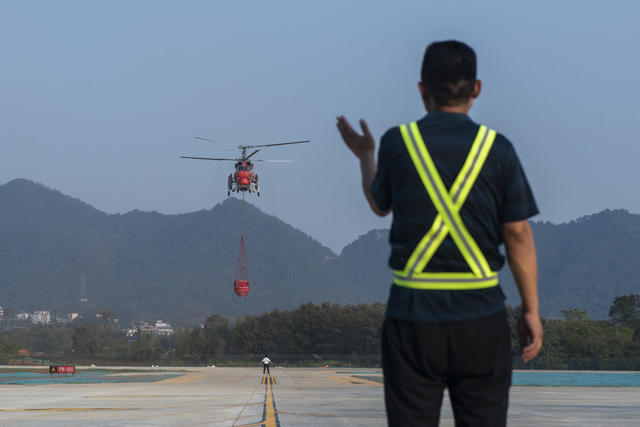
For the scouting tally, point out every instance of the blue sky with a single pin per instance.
(99, 99)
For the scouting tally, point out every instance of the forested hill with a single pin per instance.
(588, 262)
(150, 264)
(153, 264)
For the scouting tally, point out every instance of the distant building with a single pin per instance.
(1, 311)
(146, 328)
(41, 317)
(159, 328)
(22, 316)
(163, 328)
(64, 319)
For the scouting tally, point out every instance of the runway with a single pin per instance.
(292, 397)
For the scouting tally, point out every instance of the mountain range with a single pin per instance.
(55, 249)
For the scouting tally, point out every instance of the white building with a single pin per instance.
(1, 311)
(41, 317)
(146, 328)
(22, 316)
(160, 328)
(163, 328)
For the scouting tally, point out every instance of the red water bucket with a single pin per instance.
(241, 287)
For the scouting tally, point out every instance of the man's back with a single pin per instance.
(499, 194)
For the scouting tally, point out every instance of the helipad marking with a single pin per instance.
(154, 396)
(183, 379)
(352, 381)
(307, 414)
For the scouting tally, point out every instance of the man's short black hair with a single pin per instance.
(449, 72)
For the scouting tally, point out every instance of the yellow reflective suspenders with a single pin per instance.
(448, 221)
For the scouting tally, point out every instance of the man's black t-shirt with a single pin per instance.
(500, 194)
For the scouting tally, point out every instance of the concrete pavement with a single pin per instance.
(298, 397)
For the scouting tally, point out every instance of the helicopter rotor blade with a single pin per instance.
(213, 140)
(275, 161)
(278, 143)
(247, 158)
(206, 158)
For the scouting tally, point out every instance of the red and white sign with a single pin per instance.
(62, 370)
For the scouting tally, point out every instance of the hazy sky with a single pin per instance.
(99, 99)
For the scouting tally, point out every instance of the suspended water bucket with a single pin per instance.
(241, 279)
(241, 287)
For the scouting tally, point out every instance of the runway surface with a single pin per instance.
(292, 397)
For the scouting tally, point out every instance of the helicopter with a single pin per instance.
(244, 178)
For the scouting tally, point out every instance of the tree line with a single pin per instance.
(316, 335)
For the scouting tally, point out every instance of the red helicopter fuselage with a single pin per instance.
(244, 178)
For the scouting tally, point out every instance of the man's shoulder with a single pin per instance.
(391, 135)
(391, 144)
(502, 147)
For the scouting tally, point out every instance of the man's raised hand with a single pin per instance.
(360, 145)
(363, 146)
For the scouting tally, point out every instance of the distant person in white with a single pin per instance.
(265, 365)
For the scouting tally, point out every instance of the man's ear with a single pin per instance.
(477, 88)
(424, 93)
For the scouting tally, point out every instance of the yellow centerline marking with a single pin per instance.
(270, 420)
(270, 411)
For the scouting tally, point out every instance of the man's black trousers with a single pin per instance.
(265, 368)
(471, 358)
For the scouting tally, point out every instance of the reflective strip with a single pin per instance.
(446, 285)
(462, 180)
(426, 254)
(448, 204)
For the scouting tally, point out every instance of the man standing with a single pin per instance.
(265, 365)
(457, 191)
